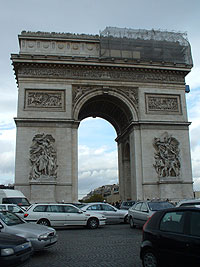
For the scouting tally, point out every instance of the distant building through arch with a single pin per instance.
(134, 79)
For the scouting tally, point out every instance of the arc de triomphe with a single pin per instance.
(135, 79)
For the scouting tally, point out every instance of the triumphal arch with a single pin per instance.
(134, 79)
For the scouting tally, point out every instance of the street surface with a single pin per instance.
(109, 246)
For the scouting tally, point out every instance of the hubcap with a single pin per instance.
(150, 260)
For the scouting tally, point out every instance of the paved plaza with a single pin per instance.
(109, 246)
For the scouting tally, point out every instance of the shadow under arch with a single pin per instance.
(113, 107)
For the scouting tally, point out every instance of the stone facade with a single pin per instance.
(64, 78)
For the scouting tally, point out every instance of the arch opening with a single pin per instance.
(109, 108)
(97, 158)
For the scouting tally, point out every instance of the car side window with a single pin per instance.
(70, 209)
(55, 208)
(195, 223)
(95, 207)
(173, 222)
(2, 207)
(107, 208)
(40, 208)
(144, 207)
(138, 206)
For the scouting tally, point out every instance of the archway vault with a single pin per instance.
(114, 108)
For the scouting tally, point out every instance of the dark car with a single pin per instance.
(172, 238)
(125, 205)
(15, 250)
(141, 211)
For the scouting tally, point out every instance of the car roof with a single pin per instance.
(194, 200)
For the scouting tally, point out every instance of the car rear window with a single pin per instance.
(173, 222)
(154, 206)
(16, 200)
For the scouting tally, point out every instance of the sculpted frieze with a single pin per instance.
(164, 103)
(167, 156)
(130, 92)
(43, 157)
(44, 99)
(100, 74)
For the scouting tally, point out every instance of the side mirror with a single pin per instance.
(1, 226)
(80, 212)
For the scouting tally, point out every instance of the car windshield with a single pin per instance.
(10, 219)
(154, 206)
(16, 200)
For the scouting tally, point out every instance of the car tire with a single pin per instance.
(93, 223)
(149, 259)
(44, 222)
(131, 222)
(126, 219)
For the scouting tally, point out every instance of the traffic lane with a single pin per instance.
(109, 246)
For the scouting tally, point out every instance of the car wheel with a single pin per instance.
(131, 222)
(44, 222)
(93, 223)
(149, 259)
(126, 219)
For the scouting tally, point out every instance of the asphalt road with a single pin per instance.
(109, 246)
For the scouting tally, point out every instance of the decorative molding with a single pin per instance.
(167, 159)
(98, 73)
(43, 158)
(163, 103)
(50, 100)
(129, 92)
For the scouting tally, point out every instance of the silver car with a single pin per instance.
(41, 237)
(142, 210)
(112, 214)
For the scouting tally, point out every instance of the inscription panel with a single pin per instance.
(51, 100)
(163, 103)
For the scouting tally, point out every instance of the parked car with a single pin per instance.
(141, 211)
(13, 208)
(11, 196)
(125, 205)
(112, 214)
(63, 215)
(14, 250)
(41, 237)
(189, 203)
(172, 238)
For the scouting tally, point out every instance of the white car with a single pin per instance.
(13, 208)
(112, 214)
(62, 215)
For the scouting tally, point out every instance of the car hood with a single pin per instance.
(29, 230)
(8, 239)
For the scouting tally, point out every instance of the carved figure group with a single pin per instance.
(167, 161)
(43, 157)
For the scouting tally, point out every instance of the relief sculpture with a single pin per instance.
(44, 99)
(167, 159)
(43, 157)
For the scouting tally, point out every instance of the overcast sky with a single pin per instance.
(97, 147)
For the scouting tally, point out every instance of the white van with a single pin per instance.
(11, 196)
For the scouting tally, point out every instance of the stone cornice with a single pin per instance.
(98, 72)
(48, 122)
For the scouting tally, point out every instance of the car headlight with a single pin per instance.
(7, 251)
(43, 237)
